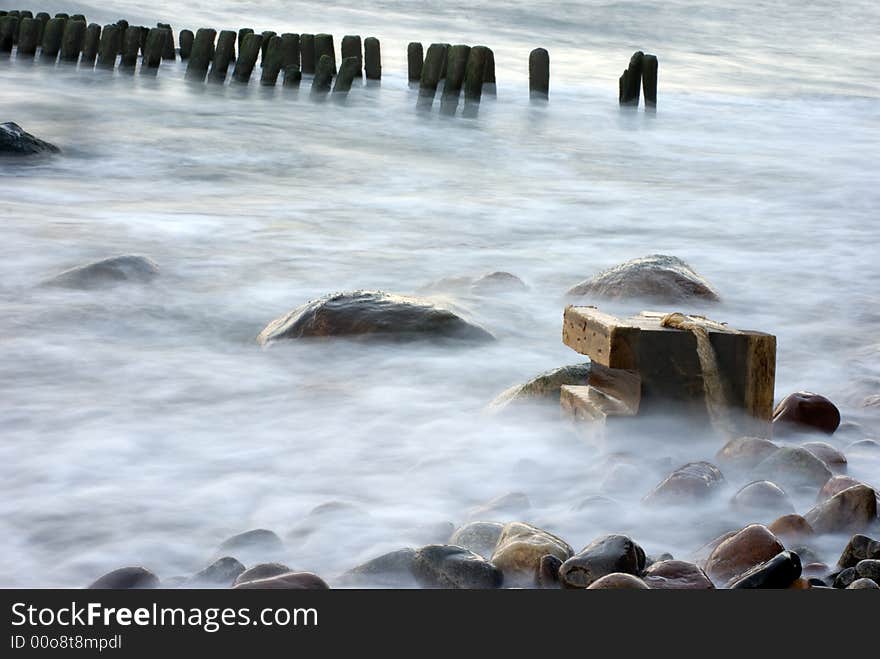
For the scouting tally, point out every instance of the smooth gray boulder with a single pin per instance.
(107, 272)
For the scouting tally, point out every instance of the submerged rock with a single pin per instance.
(222, 572)
(520, 550)
(658, 277)
(253, 545)
(835, 485)
(14, 140)
(512, 504)
(107, 272)
(791, 528)
(603, 556)
(126, 578)
(618, 581)
(676, 575)
(805, 411)
(391, 570)
(833, 459)
(286, 581)
(793, 467)
(695, 481)
(448, 566)
(478, 537)
(372, 314)
(488, 284)
(753, 545)
(261, 571)
(850, 511)
(543, 387)
(744, 453)
(781, 571)
(762, 496)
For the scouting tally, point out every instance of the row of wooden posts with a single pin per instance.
(462, 68)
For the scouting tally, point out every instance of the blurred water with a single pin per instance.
(143, 424)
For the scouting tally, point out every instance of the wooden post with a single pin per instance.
(307, 53)
(247, 58)
(348, 70)
(272, 61)
(292, 77)
(475, 75)
(223, 55)
(242, 33)
(52, 39)
(28, 33)
(456, 63)
(154, 48)
(432, 69)
(323, 75)
(22, 15)
(168, 52)
(372, 59)
(90, 47)
(131, 45)
(489, 75)
(539, 74)
(267, 37)
(649, 81)
(289, 50)
(324, 46)
(351, 47)
(109, 47)
(72, 41)
(631, 80)
(185, 39)
(203, 52)
(414, 60)
(43, 18)
(8, 30)
(77, 17)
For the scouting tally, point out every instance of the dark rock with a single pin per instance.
(520, 549)
(744, 453)
(221, 572)
(544, 387)
(859, 548)
(863, 584)
(287, 581)
(793, 467)
(869, 569)
(658, 277)
(833, 459)
(850, 511)
(606, 555)
(753, 545)
(805, 411)
(701, 555)
(126, 578)
(845, 577)
(261, 571)
(695, 481)
(791, 528)
(762, 496)
(107, 272)
(391, 570)
(448, 566)
(17, 142)
(676, 575)
(548, 572)
(807, 555)
(478, 537)
(781, 571)
(371, 314)
(618, 581)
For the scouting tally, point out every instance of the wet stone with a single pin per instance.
(478, 537)
(221, 572)
(618, 581)
(261, 571)
(676, 575)
(605, 555)
(859, 548)
(391, 570)
(781, 571)
(753, 545)
(447, 566)
(695, 481)
(520, 549)
(128, 268)
(850, 511)
(805, 411)
(126, 578)
(15, 141)
(286, 581)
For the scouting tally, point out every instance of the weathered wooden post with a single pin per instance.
(52, 39)
(631, 80)
(414, 60)
(289, 50)
(292, 77)
(203, 52)
(649, 81)
(456, 63)
(223, 55)
(22, 14)
(111, 39)
(168, 51)
(153, 50)
(77, 17)
(123, 28)
(72, 40)
(272, 61)
(131, 45)
(43, 18)
(348, 70)
(324, 46)
(372, 59)
(432, 69)
(264, 46)
(324, 72)
(8, 30)
(307, 52)
(539, 74)
(475, 75)
(242, 33)
(247, 58)
(185, 39)
(351, 47)
(90, 46)
(28, 33)
(489, 77)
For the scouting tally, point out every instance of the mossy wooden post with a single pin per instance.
(8, 30)
(111, 36)
(185, 39)
(372, 59)
(223, 55)
(292, 77)
(323, 75)
(272, 62)
(351, 47)
(153, 50)
(28, 33)
(289, 50)
(324, 46)
(447, 46)
(90, 47)
(203, 52)
(307, 53)
(123, 28)
(72, 41)
(631, 80)
(23, 14)
(489, 75)
(78, 17)
(432, 68)
(456, 62)
(649, 81)
(264, 46)
(539, 74)
(247, 58)
(43, 18)
(168, 52)
(414, 59)
(348, 71)
(475, 75)
(52, 39)
(131, 45)
(242, 33)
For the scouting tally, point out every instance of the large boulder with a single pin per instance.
(15, 141)
(286, 581)
(603, 556)
(781, 571)
(695, 481)
(835, 485)
(448, 566)
(126, 578)
(753, 545)
(520, 549)
(744, 453)
(372, 314)
(657, 277)
(833, 459)
(805, 411)
(543, 387)
(850, 511)
(793, 467)
(478, 537)
(859, 548)
(391, 570)
(791, 528)
(676, 575)
(762, 497)
(107, 272)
